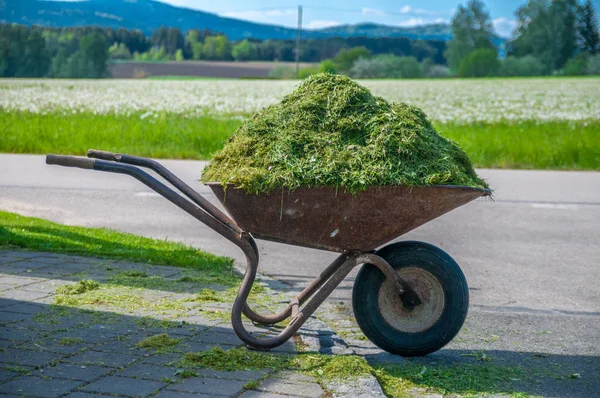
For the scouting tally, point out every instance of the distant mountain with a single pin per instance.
(432, 32)
(147, 15)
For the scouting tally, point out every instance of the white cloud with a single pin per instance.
(372, 12)
(504, 26)
(319, 24)
(406, 10)
(269, 16)
(281, 13)
(411, 22)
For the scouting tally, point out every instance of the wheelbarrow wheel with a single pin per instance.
(440, 285)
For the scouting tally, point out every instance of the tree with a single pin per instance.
(94, 55)
(174, 41)
(480, 63)
(119, 51)
(472, 28)
(36, 60)
(193, 43)
(216, 48)
(589, 36)
(345, 58)
(546, 30)
(244, 51)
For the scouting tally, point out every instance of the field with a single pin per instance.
(218, 69)
(518, 123)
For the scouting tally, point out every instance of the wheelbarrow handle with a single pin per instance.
(71, 161)
(171, 178)
(104, 155)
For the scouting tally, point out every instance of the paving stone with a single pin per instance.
(52, 344)
(27, 264)
(17, 333)
(261, 394)
(8, 259)
(38, 387)
(209, 386)
(162, 359)
(7, 343)
(34, 324)
(194, 346)
(109, 359)
(176, 394)
(220, 338)
(27, 308)
(89, 335)
(22, 295)
(73, 371)
(245, 375)
(48, 286)
(53, 260)
(27, 357)
(20, 254)
(7, 374)
(291, 377)
(5, 286)
(49, 272)
(86, 395)
(9, 317)
(124, 386)
(17, 280)
(299, 389)
(147, 371)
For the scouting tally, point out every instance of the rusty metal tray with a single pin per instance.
(330, 219)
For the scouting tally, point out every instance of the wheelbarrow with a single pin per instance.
(409, 298)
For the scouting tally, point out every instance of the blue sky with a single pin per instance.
(319, 14)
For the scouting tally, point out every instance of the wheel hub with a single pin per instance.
(421, 317)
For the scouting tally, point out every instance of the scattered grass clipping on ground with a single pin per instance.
(37, 234)
(333, 132)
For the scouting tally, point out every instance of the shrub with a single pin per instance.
(282, 72)
(480, 63)
(576, 66)
(328, 66)
(346, 58)
(593, 65)
(367, 69)
(437, 71)
(303, 73)
(387, 66)
(525, 66)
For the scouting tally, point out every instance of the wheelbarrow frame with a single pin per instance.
(299, 308)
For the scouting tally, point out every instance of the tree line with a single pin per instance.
(556, 37)
(84, 52)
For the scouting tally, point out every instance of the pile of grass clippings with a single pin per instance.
(333, 132)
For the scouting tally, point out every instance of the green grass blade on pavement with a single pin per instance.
(30, 233)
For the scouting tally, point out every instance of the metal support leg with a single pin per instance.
(325, 283)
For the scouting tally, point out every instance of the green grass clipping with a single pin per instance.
(333, 132)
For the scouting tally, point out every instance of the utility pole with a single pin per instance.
(298, 40)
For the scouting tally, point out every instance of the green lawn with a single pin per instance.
(526, 144)
(36, 234)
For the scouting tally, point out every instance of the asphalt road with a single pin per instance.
(531, 256)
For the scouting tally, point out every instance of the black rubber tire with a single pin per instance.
(455, 292)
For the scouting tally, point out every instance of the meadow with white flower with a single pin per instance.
(539, 123)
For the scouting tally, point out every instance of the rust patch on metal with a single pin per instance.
(325, 219)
